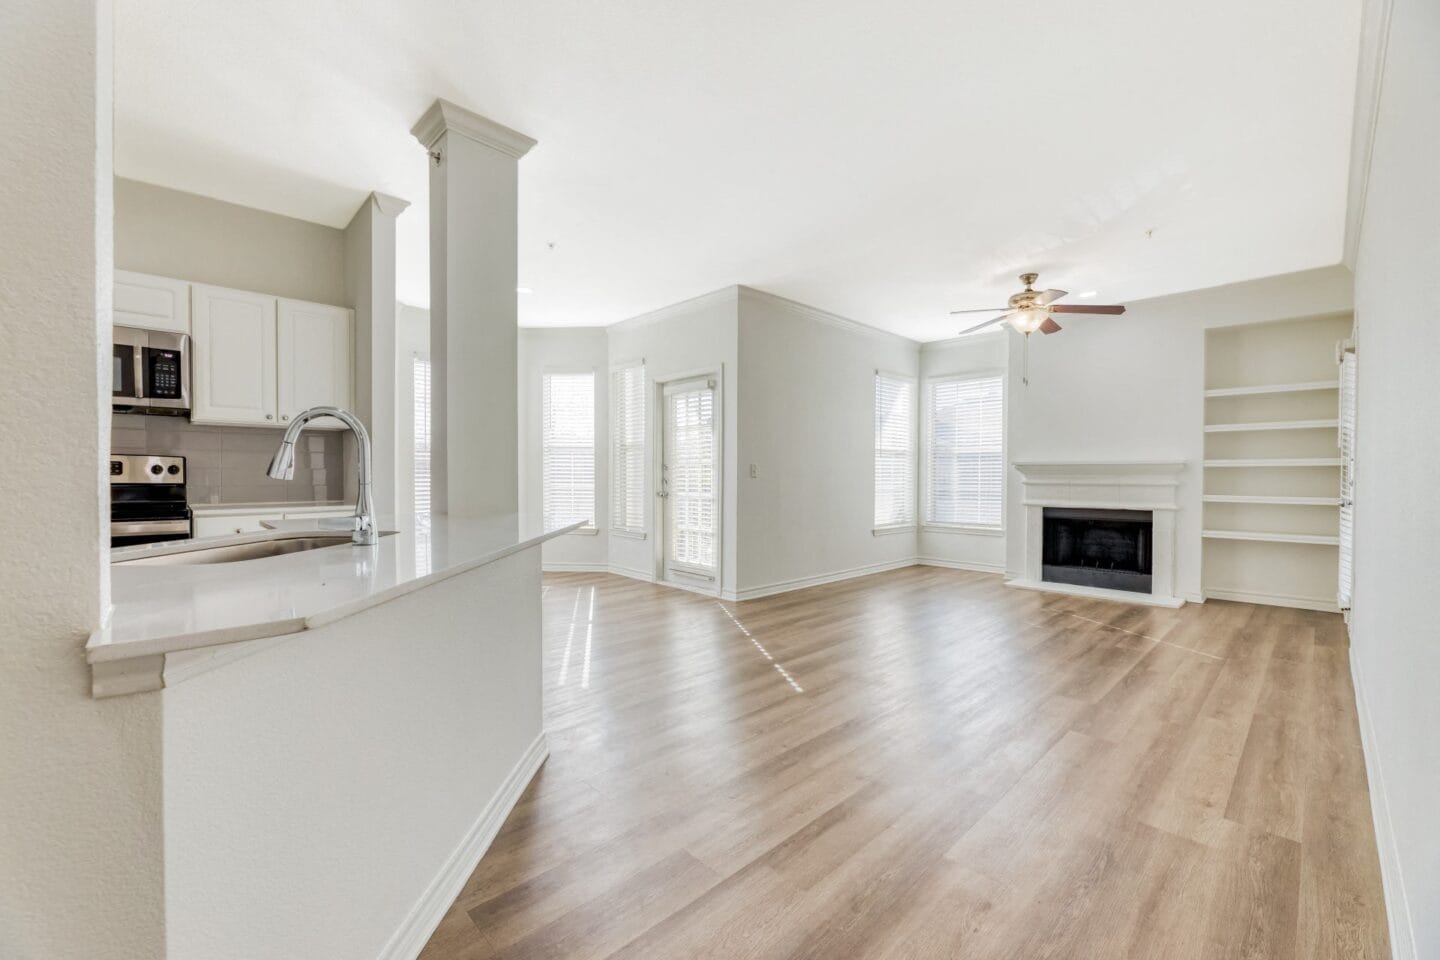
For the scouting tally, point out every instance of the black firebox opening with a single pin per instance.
(1097, 548)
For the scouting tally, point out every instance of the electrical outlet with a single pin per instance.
(754, 472)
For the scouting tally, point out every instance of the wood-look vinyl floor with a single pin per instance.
(928, 764)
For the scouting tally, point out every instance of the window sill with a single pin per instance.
(886, 531)
(960, 528)
(629, 534)
(583, 532)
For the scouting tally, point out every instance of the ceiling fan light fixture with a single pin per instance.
(1029, 319)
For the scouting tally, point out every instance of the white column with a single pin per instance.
(473, 344)
(80, 779)
(370, 288)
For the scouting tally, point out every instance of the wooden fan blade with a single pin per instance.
(1106, 308)
(981, 310)
(1050, 326)
(1049, 296)
(982, 326)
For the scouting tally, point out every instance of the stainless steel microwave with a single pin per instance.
(151, 372)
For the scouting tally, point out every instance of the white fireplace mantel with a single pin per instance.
(1151, 485)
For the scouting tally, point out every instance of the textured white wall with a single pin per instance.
(968, 355)
(80, 834)
(1396, 643)
(1131, 387)
(190, 237)
(564, 350)
(698, 334)
(807, 423)
(314, 790)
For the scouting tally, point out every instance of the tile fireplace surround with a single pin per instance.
(1108, 485)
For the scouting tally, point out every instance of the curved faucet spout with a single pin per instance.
(282, 465)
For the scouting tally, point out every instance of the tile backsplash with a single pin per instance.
(227, 464)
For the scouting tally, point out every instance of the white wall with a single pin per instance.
(807, 425)
(1132, 388)
(81, 869)
(316, 789)
(1396, 643)
(975, 354)
(564, 350)
(190, 237)
(697, 335)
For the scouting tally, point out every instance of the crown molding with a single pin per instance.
(388, 205)
(1369, 80)
(819, 315)
(445, 117)
(725, 295)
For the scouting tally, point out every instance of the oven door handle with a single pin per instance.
(141, 528)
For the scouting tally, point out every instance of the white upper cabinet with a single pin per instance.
(151, 303)
(234, 362)
(315, 363)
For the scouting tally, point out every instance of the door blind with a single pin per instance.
(420, 465)
(690, 478)
(1347, 479)
(627, 453)
(894, 451)
(965, 452)
(567, 474)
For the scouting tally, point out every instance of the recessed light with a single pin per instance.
(523, 290)
(1087, 294)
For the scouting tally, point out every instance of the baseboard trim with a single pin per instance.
(800, 583)
(644, 576)
(418, 926)
(1397, 904)
(960, 565)
(562, 566)
(1275, 600)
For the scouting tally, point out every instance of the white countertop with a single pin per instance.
(269, 508)
(161, 609)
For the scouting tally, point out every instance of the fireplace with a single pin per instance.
(1110, 549)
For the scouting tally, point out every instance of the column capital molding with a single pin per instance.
(445, 117)
(388, 205)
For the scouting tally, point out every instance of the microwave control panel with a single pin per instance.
(162, 374)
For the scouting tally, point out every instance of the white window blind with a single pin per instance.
(420, 466)
(567, 475)
(894, 451)
(627, 452)
(1347, 479)
(965, 452)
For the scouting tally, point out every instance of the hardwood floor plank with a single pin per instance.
(927, 764)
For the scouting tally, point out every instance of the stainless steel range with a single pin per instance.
(147, 500)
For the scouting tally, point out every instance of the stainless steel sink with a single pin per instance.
(231, 553)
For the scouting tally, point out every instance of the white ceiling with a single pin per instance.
(887, 162)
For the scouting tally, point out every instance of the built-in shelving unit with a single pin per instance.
(1272, 469)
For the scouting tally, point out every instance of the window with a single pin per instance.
(567, 475)
(420, 465)
(965, 452)
(627, 452)
(894, 451)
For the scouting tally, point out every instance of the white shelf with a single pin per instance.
(1271, 537)
(1274, 388)
(1282, 462)
(1272, 425)
(1273, 501)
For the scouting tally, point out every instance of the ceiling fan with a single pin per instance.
(1031, 309)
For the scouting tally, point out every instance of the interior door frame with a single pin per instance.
(657, 384)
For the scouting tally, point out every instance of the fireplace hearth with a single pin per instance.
(1110, 549)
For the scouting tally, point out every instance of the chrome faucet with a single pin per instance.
(282, 465)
